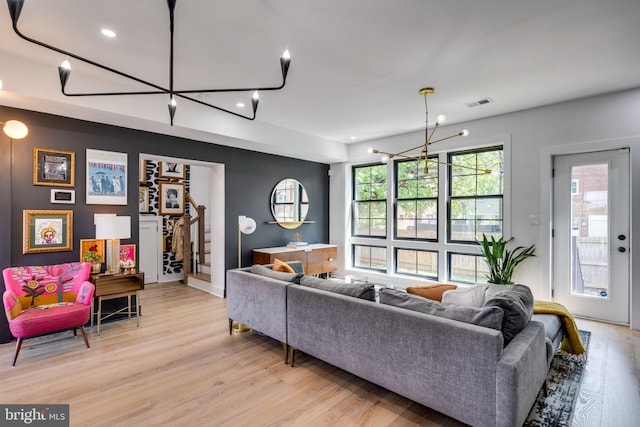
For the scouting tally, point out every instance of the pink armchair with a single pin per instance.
(44, 299)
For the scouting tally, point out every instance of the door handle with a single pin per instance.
(621, 237)
(621, 249)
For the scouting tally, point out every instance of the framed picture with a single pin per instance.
(143, 171)
(127, 256)
(167, 243)
(171, 198)
(54, 167)
(85, 244)
(63, 196)
(143, 200)
(172, 170)
(106, 178)
(47, 231)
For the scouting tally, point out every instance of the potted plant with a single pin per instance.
(94, 258)
(502, 261)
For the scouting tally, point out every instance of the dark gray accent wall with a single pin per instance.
(249, 179)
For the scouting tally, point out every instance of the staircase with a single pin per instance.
(201, 276)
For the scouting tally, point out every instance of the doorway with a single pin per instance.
(591, 224)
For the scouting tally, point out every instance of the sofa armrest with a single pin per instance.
(85, 293)
(259, 302)
(12, 306)
(521, 372)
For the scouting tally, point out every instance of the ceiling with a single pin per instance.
(356, 65)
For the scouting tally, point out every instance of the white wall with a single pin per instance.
(602, 122)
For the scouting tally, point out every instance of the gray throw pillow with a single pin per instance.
(358, 290)
(279, 275)
(489, 317)
(517, 303)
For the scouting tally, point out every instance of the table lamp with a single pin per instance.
(112, 229)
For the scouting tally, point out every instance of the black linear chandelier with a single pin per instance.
(423, 153)
(15, 7)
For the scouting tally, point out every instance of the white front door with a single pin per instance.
(591, 240)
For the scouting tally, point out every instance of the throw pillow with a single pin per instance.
(517, 303)
(358, 290)
(433, 292)
(489, 317)
(471, 296)
(279, 275)
(282, 266)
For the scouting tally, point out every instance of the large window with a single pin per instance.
(439, 213)
(416, 214)
(370, 201)
(475, 195)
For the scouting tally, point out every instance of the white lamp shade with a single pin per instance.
(15, 129)
(246, 224)
(113, 227)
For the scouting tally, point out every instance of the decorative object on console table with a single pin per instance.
(111, 286)
(113, 228)
(92, 251)
(128, 258)
(316, 258)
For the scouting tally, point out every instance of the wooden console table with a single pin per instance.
(110, 286)
(317, 258)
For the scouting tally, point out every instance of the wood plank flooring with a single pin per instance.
(181, 368)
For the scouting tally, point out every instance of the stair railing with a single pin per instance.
(187, 248)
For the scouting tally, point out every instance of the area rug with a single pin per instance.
(563, 384)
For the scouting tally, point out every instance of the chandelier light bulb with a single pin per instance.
(286, 54)
(370, 150)
(384, 159)
(172, 102)
(441, 119)
(464, 132)
(66, 64)
(0, 84)
(256, 95)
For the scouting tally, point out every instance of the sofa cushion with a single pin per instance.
(489, 317)
(358, 290)
(433, 292)
(279, 265)
(279, 275)
(49, 318)
(471, 296)
(517, 303)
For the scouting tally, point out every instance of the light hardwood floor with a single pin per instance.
(181, 368)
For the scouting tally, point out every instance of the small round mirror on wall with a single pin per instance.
(289, 203)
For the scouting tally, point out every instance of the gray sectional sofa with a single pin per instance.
(457, 368)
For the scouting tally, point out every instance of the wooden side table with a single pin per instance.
(110, 286)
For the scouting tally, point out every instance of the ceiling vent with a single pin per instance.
(479, 102)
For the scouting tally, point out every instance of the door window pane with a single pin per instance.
(590, 230)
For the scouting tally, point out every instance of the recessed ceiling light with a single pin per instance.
(240, 104)
(353, 138)
(108, 33)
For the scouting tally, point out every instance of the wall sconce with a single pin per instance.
(112, 229)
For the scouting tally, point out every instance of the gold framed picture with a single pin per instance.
(47, 231)
(171, 198)
(86, 244)
(171, 170)
(143, 200)
(54, 167)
